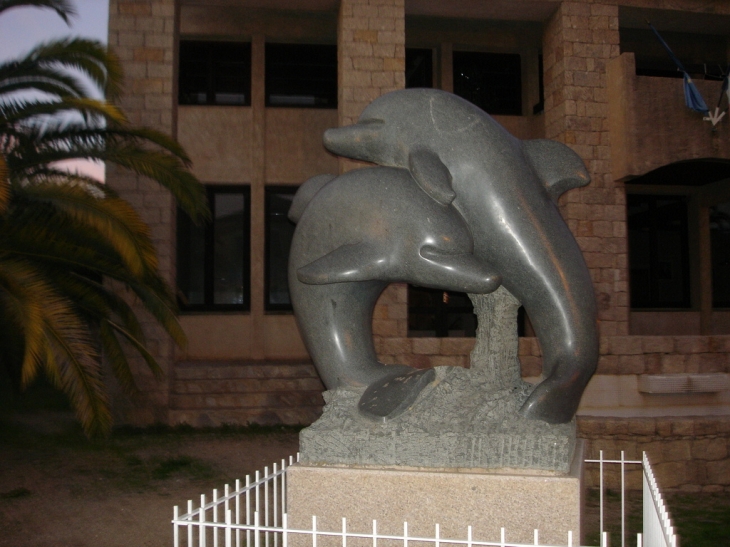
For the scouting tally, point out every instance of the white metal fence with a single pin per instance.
(254, 514)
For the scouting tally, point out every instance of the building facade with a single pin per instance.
(249, 86)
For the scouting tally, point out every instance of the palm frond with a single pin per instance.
(34, 112)
(22, 293)
(55, 59)
(78, 365)
(116, 357)
(112, 218)
(4, 185)
(63, 8)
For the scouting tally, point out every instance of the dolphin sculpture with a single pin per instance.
(355, 234)
(506, 190)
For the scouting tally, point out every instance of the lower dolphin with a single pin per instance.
(506, 190)
(355, 234)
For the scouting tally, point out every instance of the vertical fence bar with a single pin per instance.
(285, 530)
(228, 528)
(201, 520)
(256, 531)
(190, 527)
(536, 536)
(276, 504)
(176, 527)
(314, 531)
(375, 533)
(623, 500)
(248, 510)
(344, 532)
(215, 517)
(266, 504)
(238, 511)
(437, 535)
(600, 494)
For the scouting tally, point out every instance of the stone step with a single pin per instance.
(210, 393)
(244, 369)
(245, 416)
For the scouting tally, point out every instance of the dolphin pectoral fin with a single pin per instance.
(432, 175)
(460, 272)
(389, 397)
(558, 167)
(355, 262)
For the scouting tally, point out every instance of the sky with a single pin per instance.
(22, 28)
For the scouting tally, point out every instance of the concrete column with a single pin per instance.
(371, 61)
(577, 42)
(143, 34)
(258, 186)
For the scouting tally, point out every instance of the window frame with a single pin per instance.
(269, 77)
(208, 304)
(518, 109)
(213, 68)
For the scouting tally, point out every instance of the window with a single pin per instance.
(419, 67)
(301, 75)
(658, 251)
(703, 55)
(215, 73)
(492, 81)
(213, 259)
(439, 313)
(279, 233)
(720, 251)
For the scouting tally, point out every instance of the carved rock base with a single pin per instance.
(458, 421)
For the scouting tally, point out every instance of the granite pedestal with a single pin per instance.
(519, 500)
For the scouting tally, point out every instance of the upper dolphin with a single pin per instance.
(506, 190)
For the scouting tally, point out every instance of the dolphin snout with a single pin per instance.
(362, 141)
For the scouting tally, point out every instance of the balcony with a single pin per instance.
(650, 126)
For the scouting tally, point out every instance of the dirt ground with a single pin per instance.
(58, 489)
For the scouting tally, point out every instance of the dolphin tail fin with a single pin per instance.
(432, 175)
(305, 194)
(557, 165)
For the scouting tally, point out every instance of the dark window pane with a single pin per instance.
(216, 73)
(279, 233)
(213, 259)
(492, 81)
(720, 245)
(658, 251)
(439, 313)
(419, 67)
(228, 252)
(301, 75)
(190, 263)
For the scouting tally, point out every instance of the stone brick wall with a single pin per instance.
(371, 53)
(577, 42)
(689, 454)
(619, 354)
(371, 59)
(142, 34)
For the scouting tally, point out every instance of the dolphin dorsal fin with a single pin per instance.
(305, 194)
(558, 166)
(431, 175)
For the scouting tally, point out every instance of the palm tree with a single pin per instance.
(62, 234)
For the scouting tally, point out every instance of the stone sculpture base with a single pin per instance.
(466, 418)
(456, 422)
(518, 500)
